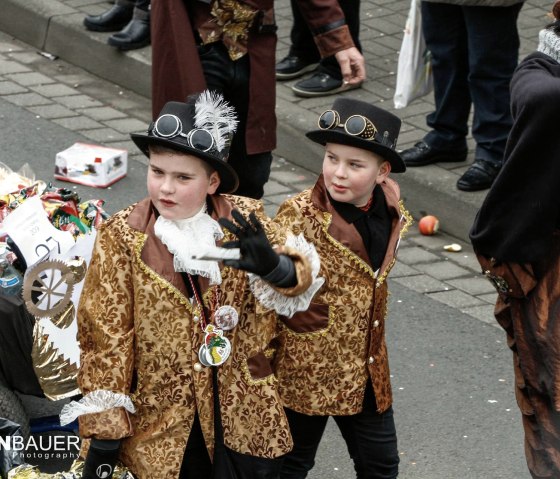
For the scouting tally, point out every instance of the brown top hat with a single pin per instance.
(203, 127)
(359, 124)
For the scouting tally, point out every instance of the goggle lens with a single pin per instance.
(328, 120)
(201, 140)
(168, 126)
(355, 125)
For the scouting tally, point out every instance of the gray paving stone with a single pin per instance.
(484, 313)
(274, 188)
(10, 66)
(415, 254)
(102, 113)
(456, 299)
(55, 90)
(30, 78)
(474, 285)
(79, 101)
(127, 125)
(423, 284)
(9, 88)
(52, 111)
(442, 270)
(104, 135)
(465, 258)
(400, 269)
(25, 57)
(27, 99)
(489, 298)
(78, 123)
(6, 47)
(290, 177)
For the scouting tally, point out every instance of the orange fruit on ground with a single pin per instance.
(428, 225)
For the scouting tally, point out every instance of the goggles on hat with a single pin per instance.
(170, 126)
(355, 125)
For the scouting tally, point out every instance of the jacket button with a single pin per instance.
(375, 323)
(197, 367)
(371, 360)
(195, 319)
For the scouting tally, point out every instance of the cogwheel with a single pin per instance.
(47, 288)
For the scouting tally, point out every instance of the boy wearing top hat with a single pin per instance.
(331, 360)
(155, 321)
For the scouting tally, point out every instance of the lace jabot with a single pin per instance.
(191, 237)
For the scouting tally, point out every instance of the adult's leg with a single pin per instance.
(231, 78)
(302, 43)
(371, 439)
(445, 33)
(493, 44)
(307, 432)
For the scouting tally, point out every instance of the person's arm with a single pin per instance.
(328, 26)
(106, 336)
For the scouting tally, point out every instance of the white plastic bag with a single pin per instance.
(414, 73)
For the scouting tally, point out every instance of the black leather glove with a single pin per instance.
(101, 459)
(257, 255)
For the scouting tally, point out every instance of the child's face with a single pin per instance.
(178, 184)
(351, 173)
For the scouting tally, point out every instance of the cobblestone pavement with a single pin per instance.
(105, 113)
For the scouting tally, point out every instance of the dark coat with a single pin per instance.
(177, 73)
(517, 241)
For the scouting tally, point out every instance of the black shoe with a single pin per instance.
(421, 154)
(135, 35)
(479, 176)
(321, 84)
(112, 20)
(293, 67)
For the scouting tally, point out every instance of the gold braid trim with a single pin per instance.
(156, 277)
(345, 251)
(314, 334)
(407, 218)
(269, 380)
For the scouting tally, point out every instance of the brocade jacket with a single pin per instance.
(325, 355)
(139, 337)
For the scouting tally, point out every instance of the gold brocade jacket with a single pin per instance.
(325, 355)
(139, 337)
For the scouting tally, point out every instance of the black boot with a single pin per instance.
(113, 19)
(135, 35)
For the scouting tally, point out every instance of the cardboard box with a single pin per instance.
(91, 165)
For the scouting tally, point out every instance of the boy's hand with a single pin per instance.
(257, 256)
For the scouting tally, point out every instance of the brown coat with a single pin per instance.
(177, 73)
(326, 354)
(528, 308)
(138, 337)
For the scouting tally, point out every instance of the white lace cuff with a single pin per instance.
(96, 401)
(290, 305)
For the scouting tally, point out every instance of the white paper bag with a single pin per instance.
(414, 73)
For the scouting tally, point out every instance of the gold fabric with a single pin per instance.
(230, 23)
(325, 354)
(138, 337)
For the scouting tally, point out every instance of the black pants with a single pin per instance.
(371, 439)
(474, 53)
(303, 45)
(197, 464)
(231, 78)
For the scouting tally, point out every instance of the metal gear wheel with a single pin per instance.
(47, 288)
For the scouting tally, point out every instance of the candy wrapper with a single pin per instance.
(14, 181)
(27, 471)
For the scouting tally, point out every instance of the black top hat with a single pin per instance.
(203, 127)
(359, 124)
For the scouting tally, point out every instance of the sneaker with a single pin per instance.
(321, 84)
(292, 67)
